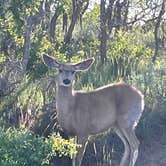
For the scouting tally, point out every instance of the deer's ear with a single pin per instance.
(85, 65)
(49, 61)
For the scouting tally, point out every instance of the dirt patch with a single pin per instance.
(153, 154)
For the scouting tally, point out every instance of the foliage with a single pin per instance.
(126, 58)
(130, 49)
(23, 148)
(2, 59)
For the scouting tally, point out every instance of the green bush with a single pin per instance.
(23, 148)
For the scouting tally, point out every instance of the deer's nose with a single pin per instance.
(66, 81)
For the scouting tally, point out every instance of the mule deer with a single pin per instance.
(83, 114)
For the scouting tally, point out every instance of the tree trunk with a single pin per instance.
(156, 29)
(75, 16)
(103, 33)
(27, 46)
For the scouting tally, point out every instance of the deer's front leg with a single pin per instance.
(80, 150)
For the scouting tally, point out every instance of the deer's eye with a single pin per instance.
(73, 72)
(60, 71)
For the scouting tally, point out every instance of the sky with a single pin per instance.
(92, 2)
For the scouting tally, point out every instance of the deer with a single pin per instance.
(116, 106)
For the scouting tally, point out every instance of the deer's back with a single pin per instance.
(129, 102)
(107, 105)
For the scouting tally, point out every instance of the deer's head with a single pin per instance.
(67, 72)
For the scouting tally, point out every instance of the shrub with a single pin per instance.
(24, 148)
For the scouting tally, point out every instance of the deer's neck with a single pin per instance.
(65, 105)
(64, 99)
